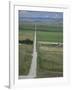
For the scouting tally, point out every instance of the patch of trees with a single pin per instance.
(26, 41)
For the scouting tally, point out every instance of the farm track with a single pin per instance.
(41, 42)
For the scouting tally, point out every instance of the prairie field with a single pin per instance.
(50, 61)
(49, 49)
(25, 50)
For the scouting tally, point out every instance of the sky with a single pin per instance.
(39, 15)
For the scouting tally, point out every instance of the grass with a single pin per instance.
(25, 52)
(50, 36)
(26, 34)
(41, 27)
(50, 57)
(50, 62)
(25, 56)
(45, 32)
(26, 26)
(50, 28)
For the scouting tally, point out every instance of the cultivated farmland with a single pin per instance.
(25, 48)
(49, 49)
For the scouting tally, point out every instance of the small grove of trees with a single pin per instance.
(26, 41)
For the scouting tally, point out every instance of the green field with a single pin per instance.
(26, 34)
(45, 32)
(50, 36)
(50, 27)
(49, 56)
(50, 61)
(25, 52)
(25, 57)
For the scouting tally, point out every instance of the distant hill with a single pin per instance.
(50, 21)
(40, 17)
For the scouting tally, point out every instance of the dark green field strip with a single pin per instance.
(41, 27)
(29, 27)
(50, 28)
(50, 36)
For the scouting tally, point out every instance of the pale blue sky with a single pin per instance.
(39, 15)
